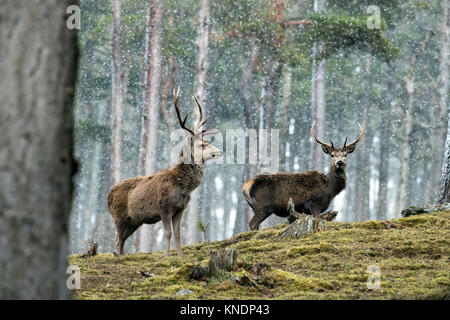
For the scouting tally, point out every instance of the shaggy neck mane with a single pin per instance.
(189, 174)
(337, 180)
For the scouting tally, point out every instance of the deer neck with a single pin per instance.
(337, 180)
(189, 174)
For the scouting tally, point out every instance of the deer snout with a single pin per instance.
(217, 153)
(340, 163)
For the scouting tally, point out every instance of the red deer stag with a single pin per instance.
(311, 191)
(165, 194)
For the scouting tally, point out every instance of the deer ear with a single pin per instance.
(326, 149)
(350, 149)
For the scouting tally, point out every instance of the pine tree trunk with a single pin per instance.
(150, 110)
(383, 163)
(285, 117)
(201, 69)
(318, 95)
(38, 69)
(405, 150)
(152, 104)
(116, 93)
(247, 99)
(362, 190)
(271, 96)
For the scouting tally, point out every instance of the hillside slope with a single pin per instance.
(413, 255)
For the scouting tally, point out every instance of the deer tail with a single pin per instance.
(246, 189)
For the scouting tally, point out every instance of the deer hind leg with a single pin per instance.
(167, 223)
(258, 218)
(176, 230)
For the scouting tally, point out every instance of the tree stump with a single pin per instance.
(222, 259)
(305, 224)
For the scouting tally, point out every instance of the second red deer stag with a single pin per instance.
(165, 194)
(311, 191)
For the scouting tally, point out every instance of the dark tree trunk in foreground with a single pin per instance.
(444, 193)
(38, 59)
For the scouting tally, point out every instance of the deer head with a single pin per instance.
(196, 149)
(338, 155)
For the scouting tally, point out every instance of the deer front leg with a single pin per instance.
(167, 231)
(124, 230)
(176, 230)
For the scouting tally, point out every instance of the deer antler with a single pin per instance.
(182, 122)
(357, 140)
(318, 141)
(201, 123)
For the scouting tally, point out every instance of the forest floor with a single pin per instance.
(413, 255)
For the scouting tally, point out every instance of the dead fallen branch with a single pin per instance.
(413, 210)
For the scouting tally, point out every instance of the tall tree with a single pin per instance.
(362, 191)
(441, 113)
(407, 129)
(318, 93)
(151, 107)
(201, 69)
(248, 102)
(38, 54)
(116, 93)
(383, 160)
(444, 191)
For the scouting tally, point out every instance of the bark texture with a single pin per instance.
(152, 103)
(305, 224)
(38, 66)
(362, 195)
(201, 69)
(318, 95)
(222, 260)
(116, 94)
(444, 107)
(444, 191)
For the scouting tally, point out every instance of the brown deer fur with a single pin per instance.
(163, 195)
(311, 191)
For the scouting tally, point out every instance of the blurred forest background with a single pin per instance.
(260, 64)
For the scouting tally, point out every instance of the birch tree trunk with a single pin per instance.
(150, 116)
(116, 93)
(38, 59)
(318, 95)
(201, 69)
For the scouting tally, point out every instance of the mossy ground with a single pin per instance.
(413, 255)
